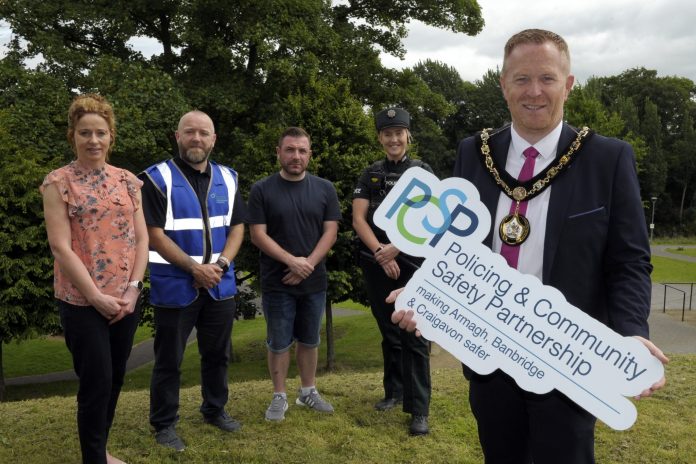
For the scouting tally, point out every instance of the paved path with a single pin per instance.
(668, 332)
(141, 354)
(661, 250)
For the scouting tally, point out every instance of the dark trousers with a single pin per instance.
(213, 321)
(406, 357)
(99, 352)
(518, 427)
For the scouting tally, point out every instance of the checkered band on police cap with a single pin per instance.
(392, 117)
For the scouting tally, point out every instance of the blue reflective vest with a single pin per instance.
(186, 225)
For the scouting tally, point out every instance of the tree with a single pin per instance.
(584, 108)
(668, 94)
(32, 142)
(484, 105)
(254, 50)
(254, 66)
(684, 161)
(654, 176)
(654, 110)
(436, 134)
(626, 108)
(147, 104)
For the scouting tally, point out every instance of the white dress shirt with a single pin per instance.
(531, 259)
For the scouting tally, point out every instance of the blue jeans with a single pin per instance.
(292, 317)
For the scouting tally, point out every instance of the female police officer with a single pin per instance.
(406, 357)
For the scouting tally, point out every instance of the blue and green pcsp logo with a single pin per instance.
(421, 209)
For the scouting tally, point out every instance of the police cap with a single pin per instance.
(392, 117)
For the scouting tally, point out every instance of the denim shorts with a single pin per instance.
(292, 317)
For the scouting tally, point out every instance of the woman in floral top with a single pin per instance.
(98, 237)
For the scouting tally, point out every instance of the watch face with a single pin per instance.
(137, 284)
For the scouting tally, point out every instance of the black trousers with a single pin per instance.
(406, 357)
(518, 427)
(99, 353)
(213, 321)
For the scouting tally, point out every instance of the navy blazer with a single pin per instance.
(596, 248)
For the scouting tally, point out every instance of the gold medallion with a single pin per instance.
(514, 229)
(519, 193)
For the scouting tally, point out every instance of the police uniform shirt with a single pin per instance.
(369, 181)
(376, 181)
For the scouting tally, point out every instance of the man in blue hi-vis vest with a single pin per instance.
(194, 216)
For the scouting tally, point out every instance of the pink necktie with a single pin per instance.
(512, 253)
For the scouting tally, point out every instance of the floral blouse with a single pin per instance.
(101, 203)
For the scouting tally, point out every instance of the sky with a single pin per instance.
(606, 37)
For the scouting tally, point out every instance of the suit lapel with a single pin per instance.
(490, 191)
(561, 194)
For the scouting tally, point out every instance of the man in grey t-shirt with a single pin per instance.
(293, 219)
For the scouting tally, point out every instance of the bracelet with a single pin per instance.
(379, 248)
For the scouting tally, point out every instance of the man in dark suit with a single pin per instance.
(577, 225)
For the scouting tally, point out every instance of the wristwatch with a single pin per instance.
(137, 284)
(224, 263)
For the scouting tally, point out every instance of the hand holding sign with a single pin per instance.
(490, 316)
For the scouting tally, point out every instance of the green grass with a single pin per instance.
(674, 241)
(350, 304)
(683, 251)
(49, 354)
(44, 354)
(355, 433)
(357, 347)
(672, 270)
(35, 356)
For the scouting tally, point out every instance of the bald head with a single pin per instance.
(195, 137)
(197, 115)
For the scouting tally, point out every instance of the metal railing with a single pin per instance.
(671, 285)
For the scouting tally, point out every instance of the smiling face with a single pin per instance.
(536, 81)
(394, 140)
(91, 140)
(293, 156)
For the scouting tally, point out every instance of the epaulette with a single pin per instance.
(377, 166)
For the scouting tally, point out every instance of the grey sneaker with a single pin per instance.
(224, 422)
(276, 411)
(314, 401)
(168, 438)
